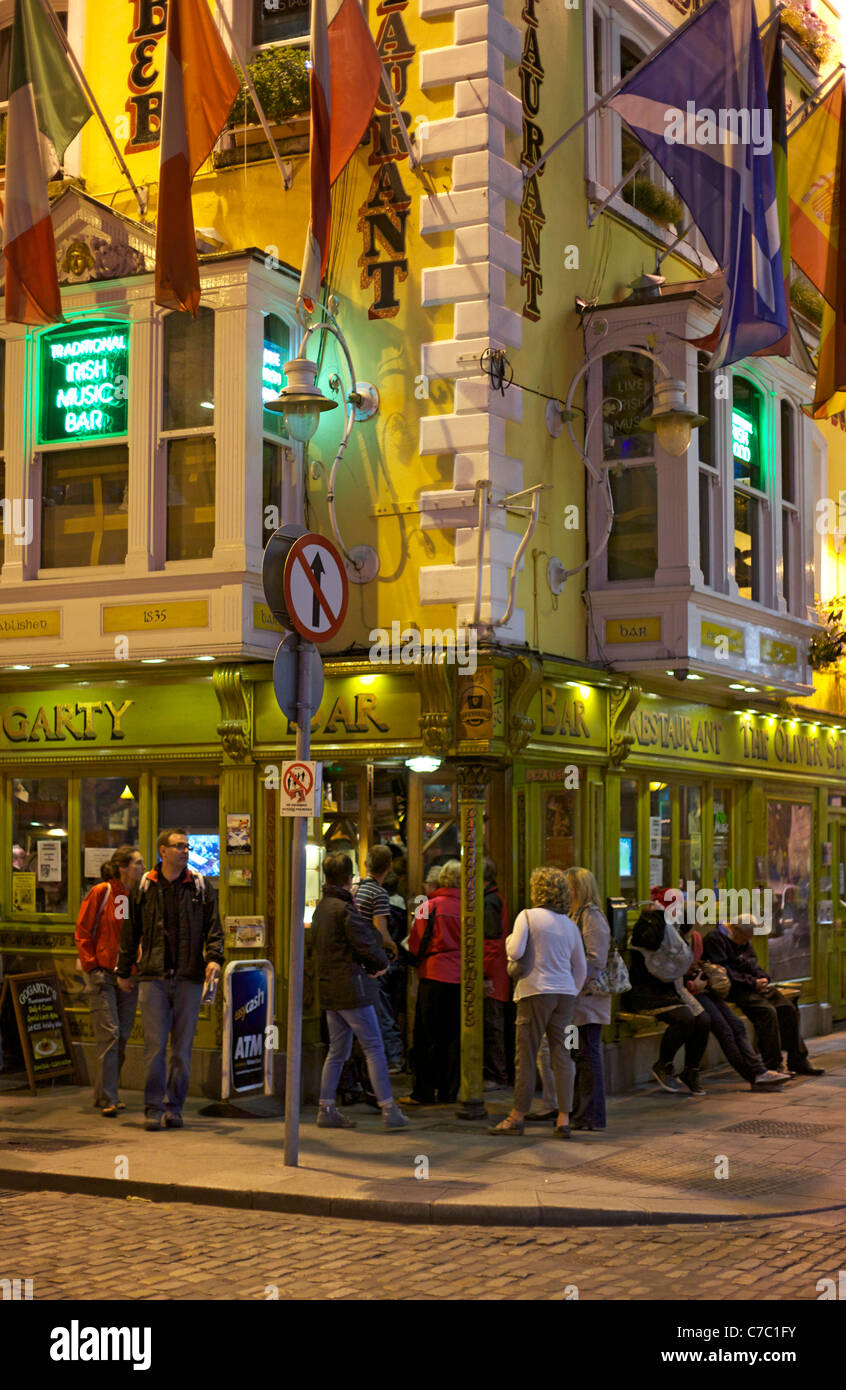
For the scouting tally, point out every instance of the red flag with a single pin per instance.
(200, 86)
(345, 76)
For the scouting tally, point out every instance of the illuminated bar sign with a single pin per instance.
(742, 432)
(83, 382)
(272, 379)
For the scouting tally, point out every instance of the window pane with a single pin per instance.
(271, 482)
(39, 845)
(191, 804)
(788, 469)
(788, 532)
(628, 841)
(789, 866)
(746, 557)
(598, 82)
(746, 422)
(705, 406)
(722, 839)
(705, 527)
(84, 506)
(560, 828)
(188, 370)
(627, 377)
(633, 547)
(690, 836)
(5, 54)
(274, 20)
(660, 855)
(109, 817)
(190, 498)
(277, 350)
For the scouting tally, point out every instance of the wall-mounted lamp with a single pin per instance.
(301, 402)
(672, 419)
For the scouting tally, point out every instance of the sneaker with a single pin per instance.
(173, 1120)
(689, 1077)
(153, 1120)
(663, 1073)
(393, 1118)
(333, 1119)
(767, 1078)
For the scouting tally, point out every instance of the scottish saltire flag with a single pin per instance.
(700, 108)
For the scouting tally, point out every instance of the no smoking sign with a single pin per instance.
(299, 788)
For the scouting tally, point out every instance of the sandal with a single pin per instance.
(508, 1126)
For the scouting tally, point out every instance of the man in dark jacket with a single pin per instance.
(350, 959)
(775, 1018)
(173, 914)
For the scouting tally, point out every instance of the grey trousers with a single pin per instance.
(540, 1014)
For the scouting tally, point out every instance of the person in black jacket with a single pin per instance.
(173, 914)
(687, 1023)
(775, 1018)
(350, 960)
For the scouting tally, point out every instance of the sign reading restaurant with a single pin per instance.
(762, 740)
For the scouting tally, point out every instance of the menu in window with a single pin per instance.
(49, 861)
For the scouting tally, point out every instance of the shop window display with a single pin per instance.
(660, 838)
(39, 845)
(789, 839)
(108, 818)
(192, 803)
(561, 824)
(628, 841)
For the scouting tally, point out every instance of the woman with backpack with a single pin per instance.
(659, 960)
(98, 927)
(593, 1009)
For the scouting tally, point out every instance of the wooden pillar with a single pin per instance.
(473, 781)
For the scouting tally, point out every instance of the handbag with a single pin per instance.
(718, 980)
(518, 969)
(613, 978)
(672, 959)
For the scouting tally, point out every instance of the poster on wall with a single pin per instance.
(23, 892)
(656, 832)
(238, 833)
(49, 861)
(94, 858)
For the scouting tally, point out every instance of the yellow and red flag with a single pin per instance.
(200, 87)
(345, 75)
(816, 155)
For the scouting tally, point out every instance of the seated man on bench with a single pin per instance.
(775, 1018)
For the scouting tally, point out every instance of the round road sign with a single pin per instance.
(316, 588)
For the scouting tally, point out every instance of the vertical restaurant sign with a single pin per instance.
(384, 214)
(532, 216)
(146, 79)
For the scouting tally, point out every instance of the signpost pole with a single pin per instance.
(293, 1067)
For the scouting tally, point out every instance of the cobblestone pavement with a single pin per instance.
(177, 1251)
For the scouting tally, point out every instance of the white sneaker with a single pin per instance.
(768, 1078)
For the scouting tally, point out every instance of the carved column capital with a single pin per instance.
(524, 675)
(623, 704)
(235, 729)
(473, 778)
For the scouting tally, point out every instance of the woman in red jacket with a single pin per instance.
(437, 1018)
(98, 927)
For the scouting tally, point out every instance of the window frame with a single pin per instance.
(187, 432)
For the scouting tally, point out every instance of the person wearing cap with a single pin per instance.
(775, 1018)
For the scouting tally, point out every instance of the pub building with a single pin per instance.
(653, 716)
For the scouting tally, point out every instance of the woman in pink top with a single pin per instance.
(435, 944)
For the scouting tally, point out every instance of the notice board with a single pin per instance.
(42, 1025)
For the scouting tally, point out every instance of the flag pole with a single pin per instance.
(140, 198)
(612, 91)
(413, 157)
(249, 81)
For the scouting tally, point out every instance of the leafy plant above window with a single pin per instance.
(807, 301)
(827, 645)
(811, 32)
(653, 200)
(280, 78)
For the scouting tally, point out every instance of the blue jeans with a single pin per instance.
(169, 1007)
(342, 1025)
(112, 1017)
(589, 1095)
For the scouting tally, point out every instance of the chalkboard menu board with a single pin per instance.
(42, 1026)
(627, 377)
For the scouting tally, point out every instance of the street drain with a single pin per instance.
(777, 1129)
(48, 1144)
(697, 1174)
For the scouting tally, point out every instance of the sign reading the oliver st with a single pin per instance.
(42, 1025)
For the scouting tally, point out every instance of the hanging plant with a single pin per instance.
(828, 644)
(653, 200)
(811, 32)
(280, 78)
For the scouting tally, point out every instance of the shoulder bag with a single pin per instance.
(613, 978)
(518, 969)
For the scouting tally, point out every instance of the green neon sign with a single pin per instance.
(83, 382)
(742, 436)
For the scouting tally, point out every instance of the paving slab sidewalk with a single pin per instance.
(662, 1159)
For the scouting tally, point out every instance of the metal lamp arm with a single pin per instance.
(349, 409)
(521, 549)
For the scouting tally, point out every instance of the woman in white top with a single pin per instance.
(550, 946)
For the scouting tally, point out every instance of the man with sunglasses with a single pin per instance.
(173, 914)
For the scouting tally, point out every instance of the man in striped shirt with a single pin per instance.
(373, 903)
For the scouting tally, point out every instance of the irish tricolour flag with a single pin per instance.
(46, 110)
